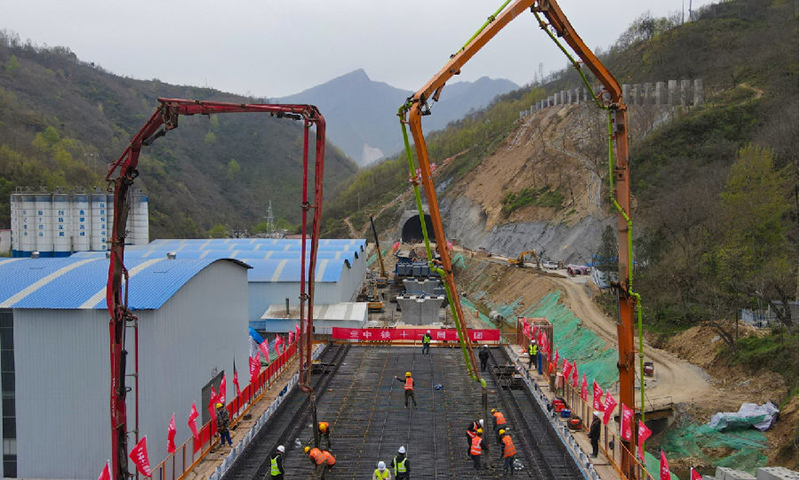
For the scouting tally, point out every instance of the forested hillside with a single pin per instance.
(714, 188)
(62, 120)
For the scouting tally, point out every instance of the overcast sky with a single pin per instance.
(273, 48)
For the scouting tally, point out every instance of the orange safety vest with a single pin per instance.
(471, 433)
(314, 454)
(475, 449)
(326, 456)
(409, 385)
(499, 418)
(508, 447)
(323, 427)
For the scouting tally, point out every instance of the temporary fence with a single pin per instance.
(192, 451)
(411, 335)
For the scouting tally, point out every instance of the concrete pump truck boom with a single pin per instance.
(121, 175)
(551, 19)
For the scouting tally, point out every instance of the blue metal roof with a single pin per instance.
(80, 283)
(286, 270)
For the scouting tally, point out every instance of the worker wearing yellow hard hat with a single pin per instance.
(408, 386)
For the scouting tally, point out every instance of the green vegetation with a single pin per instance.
(775, 352)
(63, 120)
(541, 197)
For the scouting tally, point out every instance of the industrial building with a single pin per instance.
(192, 326)
(59, 224)
(274, 277)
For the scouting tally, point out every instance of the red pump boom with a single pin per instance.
(164, 119)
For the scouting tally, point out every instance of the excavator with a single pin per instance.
(552, 20)
(520, 260)
(121, 175)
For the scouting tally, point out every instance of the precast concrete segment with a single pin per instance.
(365, 406)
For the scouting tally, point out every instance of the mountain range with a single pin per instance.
(361, 113)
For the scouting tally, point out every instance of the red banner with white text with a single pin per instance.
(410, 334)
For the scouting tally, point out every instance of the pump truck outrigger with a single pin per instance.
(555, 25)
(164, 119)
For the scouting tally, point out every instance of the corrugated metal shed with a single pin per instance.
(80, 283)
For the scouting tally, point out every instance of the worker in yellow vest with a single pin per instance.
(276, 464)
(408, 386)
(401, 465)
(533, 351)
(508, 452)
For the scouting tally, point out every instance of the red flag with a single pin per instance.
(193, 427)
(291, 339)
(223, 390)
(644, 434)
(584, 388)
(665, 475)
(694, 474)
(567, 368)
(105, 474)
(236, 379)
(264, 347)
(139, 457)
(626, 423)
(279, 341)
(556, 362)
(255, 369)
(610, 405)
(211, 401)
(575, 376)
(297, 331)
(597, 392)
(171, 435)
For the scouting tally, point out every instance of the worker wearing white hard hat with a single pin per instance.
(276, 470)
(594, 433)
(401, 467)
(426, 343)
(381, 473)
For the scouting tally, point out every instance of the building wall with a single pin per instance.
(62, 369)
(264, 294)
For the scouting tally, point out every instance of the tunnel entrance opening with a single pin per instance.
(412, 230)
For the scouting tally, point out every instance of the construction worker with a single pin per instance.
(477, 446)
(408, 386)
(533, 351)
(426, 343)
(508, 452)
(276, 470)
(484, 356)
(325, 433)
(471, 433)
(321, 459)
(594, 433)
(499, 419)
(381, 473)
(223, 425)
(400, 465)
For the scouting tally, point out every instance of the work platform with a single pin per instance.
(359, 396)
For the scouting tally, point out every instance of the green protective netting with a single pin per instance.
(460, 261)
(742, 449)
(374, 257)
(577, 343)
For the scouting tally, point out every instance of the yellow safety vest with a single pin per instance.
(274, 470)
(384, 475)
(400, 467)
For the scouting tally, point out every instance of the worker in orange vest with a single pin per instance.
(477, 446)
(323, 460)
(471, 432)
(325, 433)
(499, 419)
(508, 452)
(408, 386)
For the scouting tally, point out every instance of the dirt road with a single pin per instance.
(674, 377)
